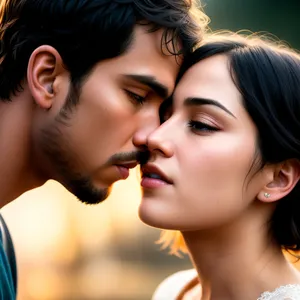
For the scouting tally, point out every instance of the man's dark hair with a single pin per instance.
(85, 32)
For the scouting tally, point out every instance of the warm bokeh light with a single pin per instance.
(68, 250)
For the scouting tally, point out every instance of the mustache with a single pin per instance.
(139, 156)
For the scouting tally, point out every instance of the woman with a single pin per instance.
(224, 171)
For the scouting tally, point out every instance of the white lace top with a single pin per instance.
(170, 288)
(286, 292)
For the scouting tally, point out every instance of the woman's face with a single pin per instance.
(199, 175)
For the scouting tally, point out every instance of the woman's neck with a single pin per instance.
(238, 261)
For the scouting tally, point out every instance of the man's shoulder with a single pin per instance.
(8, 269)
(7, 289)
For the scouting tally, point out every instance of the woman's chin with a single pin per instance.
(156, 215)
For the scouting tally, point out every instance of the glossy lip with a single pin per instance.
(150, 168)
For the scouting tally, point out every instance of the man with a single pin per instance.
(80, 81)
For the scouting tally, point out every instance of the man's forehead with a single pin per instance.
(145, 62)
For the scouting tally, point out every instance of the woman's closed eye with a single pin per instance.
(198, 126)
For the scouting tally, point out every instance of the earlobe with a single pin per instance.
(44, 66)
(285, 177)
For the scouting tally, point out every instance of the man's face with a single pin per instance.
(89, 146)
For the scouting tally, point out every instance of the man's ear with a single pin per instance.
(285, 176)
(45, 64)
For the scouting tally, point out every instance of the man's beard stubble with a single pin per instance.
(54, 145)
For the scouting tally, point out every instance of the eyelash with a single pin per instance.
(135, 97)
(200, 126)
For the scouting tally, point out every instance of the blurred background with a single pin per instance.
(66, 250)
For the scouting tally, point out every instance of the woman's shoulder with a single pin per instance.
(171, 287)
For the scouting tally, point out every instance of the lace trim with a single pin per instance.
(289, 292)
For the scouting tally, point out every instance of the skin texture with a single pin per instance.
(199, 157)
(80, 144)
(213, 190)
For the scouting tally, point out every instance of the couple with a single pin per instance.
(83, 85)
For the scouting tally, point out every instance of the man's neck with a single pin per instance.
(16, 174)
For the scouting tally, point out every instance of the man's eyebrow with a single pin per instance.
(204, 101)
(150, 81)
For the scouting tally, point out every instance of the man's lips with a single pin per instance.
(125, 167)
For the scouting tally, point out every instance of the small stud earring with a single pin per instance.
(267, 195)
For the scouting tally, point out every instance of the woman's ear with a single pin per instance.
(44, 65)
(285, 176)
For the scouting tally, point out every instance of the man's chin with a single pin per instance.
(93, 197)
(87, 193)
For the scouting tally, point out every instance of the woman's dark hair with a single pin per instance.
(85, 32)
(268, 77)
